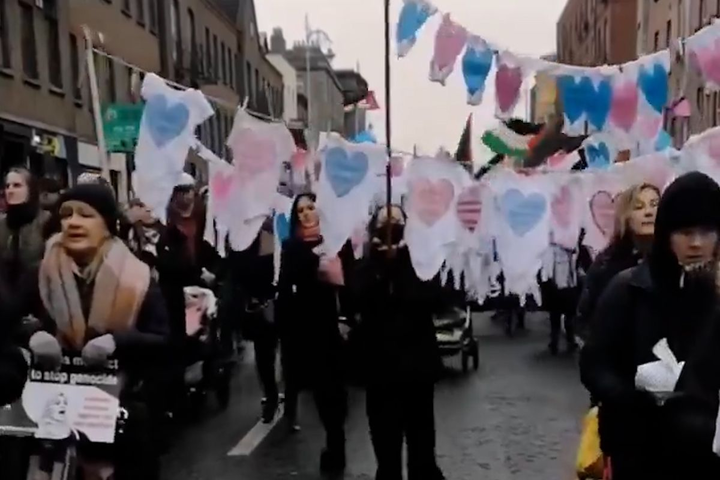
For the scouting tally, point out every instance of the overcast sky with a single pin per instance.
(424, 114)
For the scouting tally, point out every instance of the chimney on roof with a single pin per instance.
(277, 41)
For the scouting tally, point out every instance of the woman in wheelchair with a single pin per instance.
(101, 303)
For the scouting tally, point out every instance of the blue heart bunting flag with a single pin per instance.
(165, 122)
(600, 152)
(582, 98)
(653, 82)
(413, 16)
(476, 65)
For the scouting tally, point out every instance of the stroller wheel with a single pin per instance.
(476, 356)
(465, 358)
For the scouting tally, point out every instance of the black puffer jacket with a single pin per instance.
(13, 373)
(609, 262)
(640, 307)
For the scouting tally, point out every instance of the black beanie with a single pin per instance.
(98, 196)
(692, 200)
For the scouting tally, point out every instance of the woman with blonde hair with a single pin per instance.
(635, 211)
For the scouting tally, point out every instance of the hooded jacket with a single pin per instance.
(640, 307)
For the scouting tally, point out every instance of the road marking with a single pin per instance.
(255, 436)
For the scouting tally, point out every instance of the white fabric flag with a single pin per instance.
(522, 222)
(245, 195)
(600, 192)
(348, 180)
(167, 131)
(566, 210)
(433, 225)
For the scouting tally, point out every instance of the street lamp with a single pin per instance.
(312, 37)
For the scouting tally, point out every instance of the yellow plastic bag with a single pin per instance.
(590, 462)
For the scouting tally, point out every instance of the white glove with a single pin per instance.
(207, 277)
(98, 350)
(46, 350)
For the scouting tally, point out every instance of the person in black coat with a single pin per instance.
(308, 313)
(673, 296)
(403, 362)
(635, 213)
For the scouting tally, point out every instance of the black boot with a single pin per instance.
(269, 409)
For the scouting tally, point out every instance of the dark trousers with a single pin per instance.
(265, 357)
(403, 411)
(327, 383)
(555, 327)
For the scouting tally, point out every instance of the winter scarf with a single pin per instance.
(119, 287)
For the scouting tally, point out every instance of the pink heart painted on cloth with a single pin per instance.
(431, 200)
(708, 60)
(449, 42)
(561, 207)
(254, 154)
(469, 207)
(299, 159)
(602, 209)
(649, 126)
(623, 112)
(713, 148)
(221, 186)
(396, 166)
(508, 81)
(682, 109)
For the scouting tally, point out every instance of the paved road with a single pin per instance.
(517, 418)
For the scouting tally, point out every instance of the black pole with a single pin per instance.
(388, 123)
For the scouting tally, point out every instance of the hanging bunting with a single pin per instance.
(508, 82)
(600, 152)
(348, 182)
(703, 49)
(413, 16)
(476, 65)
(449, 43)
(625, 102)
(167, 131)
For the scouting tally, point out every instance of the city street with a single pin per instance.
(517, 418)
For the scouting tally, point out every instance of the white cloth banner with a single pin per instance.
(433, 225)
(348, 180)
(167, 131)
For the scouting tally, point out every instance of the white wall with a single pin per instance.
(290, 80)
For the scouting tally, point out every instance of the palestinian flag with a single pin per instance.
(504, 141)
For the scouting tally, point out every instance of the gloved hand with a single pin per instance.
(46, 350)
(98, 350)
(207, 277)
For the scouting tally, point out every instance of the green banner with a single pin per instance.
(121, 123)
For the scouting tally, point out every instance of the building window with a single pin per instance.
(112, 94)
(29, 47)
(223, 57)
(216, 59)
(193, 40)
(5, 61)
(668, 33)
(153, 15)
(53, 44)
(75, 68)
(208, 51)
(656, 42)
(701, 11)
(126, 7)
(141, 12)
(237, 74)
(247, 89)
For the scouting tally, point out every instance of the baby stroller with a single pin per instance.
(206, 368)
(454, 334)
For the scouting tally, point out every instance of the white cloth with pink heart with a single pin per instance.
(522, 225)
(600, 191)
(433, 225)
(702, 152)
(347, 186)
(243, 194)
(167, 131)
(566, 210)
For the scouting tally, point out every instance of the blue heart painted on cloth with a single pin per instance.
(664, 141)
(654, 86)
(598, 156)
(345, 171)
(165, 122)
(598, 101)
(522, 212)
(282, 227)
(476, 66)
(412, 17)
(572, 96)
